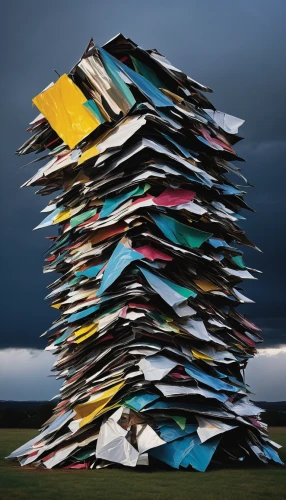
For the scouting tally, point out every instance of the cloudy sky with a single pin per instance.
(236, 48)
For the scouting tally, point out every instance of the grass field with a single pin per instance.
(237, 483)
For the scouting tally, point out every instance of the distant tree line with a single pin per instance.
(274, 418)
(25, 414)
(32, 414)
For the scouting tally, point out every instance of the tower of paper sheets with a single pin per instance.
(149, 343)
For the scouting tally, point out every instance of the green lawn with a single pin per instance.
(233, 484)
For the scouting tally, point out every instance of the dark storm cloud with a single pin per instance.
(237, 48)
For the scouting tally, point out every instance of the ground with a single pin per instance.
(238, 483)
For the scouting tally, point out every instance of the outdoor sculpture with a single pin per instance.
(150, 343)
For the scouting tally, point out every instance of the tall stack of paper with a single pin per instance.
(149, 342)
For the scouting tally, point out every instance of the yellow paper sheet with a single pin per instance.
(91, 332)
(200, 355)
(206, 285)
(56, 306)
(174, 97)
(65, 214)
(88, 411)
(62, 106)
(90, 152)
(91, 149)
